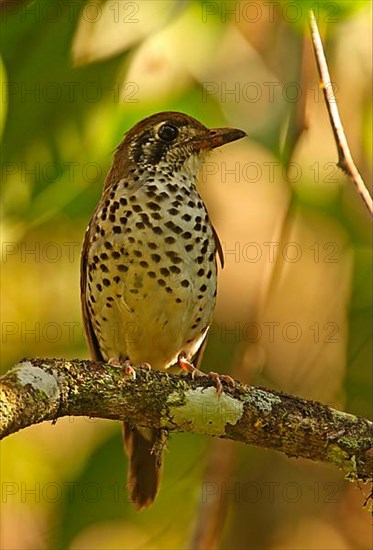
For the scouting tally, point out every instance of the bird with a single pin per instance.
(149, 266)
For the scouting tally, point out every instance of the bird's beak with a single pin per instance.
(216, 137)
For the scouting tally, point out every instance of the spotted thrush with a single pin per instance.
(148, 267)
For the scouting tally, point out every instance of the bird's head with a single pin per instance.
(169, 141)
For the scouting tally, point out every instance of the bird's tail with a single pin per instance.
(144, 449)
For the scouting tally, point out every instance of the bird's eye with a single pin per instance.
(168, 132)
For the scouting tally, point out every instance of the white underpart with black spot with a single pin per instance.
(152, 268)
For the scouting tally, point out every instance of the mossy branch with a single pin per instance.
(47, 389)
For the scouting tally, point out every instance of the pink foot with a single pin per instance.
(186, 366)
(218, 378)
(128, 368)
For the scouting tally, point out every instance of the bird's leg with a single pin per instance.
(186, 366)
(120, 364)
(219, 377)
(128, 368)
(146, 366)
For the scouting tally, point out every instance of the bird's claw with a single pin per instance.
(185, 365)
(128, 368)
(218, 378)
(130, 371)
(196, 373)
(145, 366)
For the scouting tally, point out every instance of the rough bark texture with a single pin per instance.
(47, 389)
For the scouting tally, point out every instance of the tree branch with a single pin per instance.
(345, 160)
(47, 389)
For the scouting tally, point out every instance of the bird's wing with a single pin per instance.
(197, 359)
(219, 247)
(87, 323)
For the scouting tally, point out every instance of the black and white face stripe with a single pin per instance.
(166, 141)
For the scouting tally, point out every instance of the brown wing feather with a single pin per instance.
(88, 328)
(197, 359)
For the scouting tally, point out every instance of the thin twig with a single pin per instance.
(345, 161)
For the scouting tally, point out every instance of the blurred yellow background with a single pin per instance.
(294, 298)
